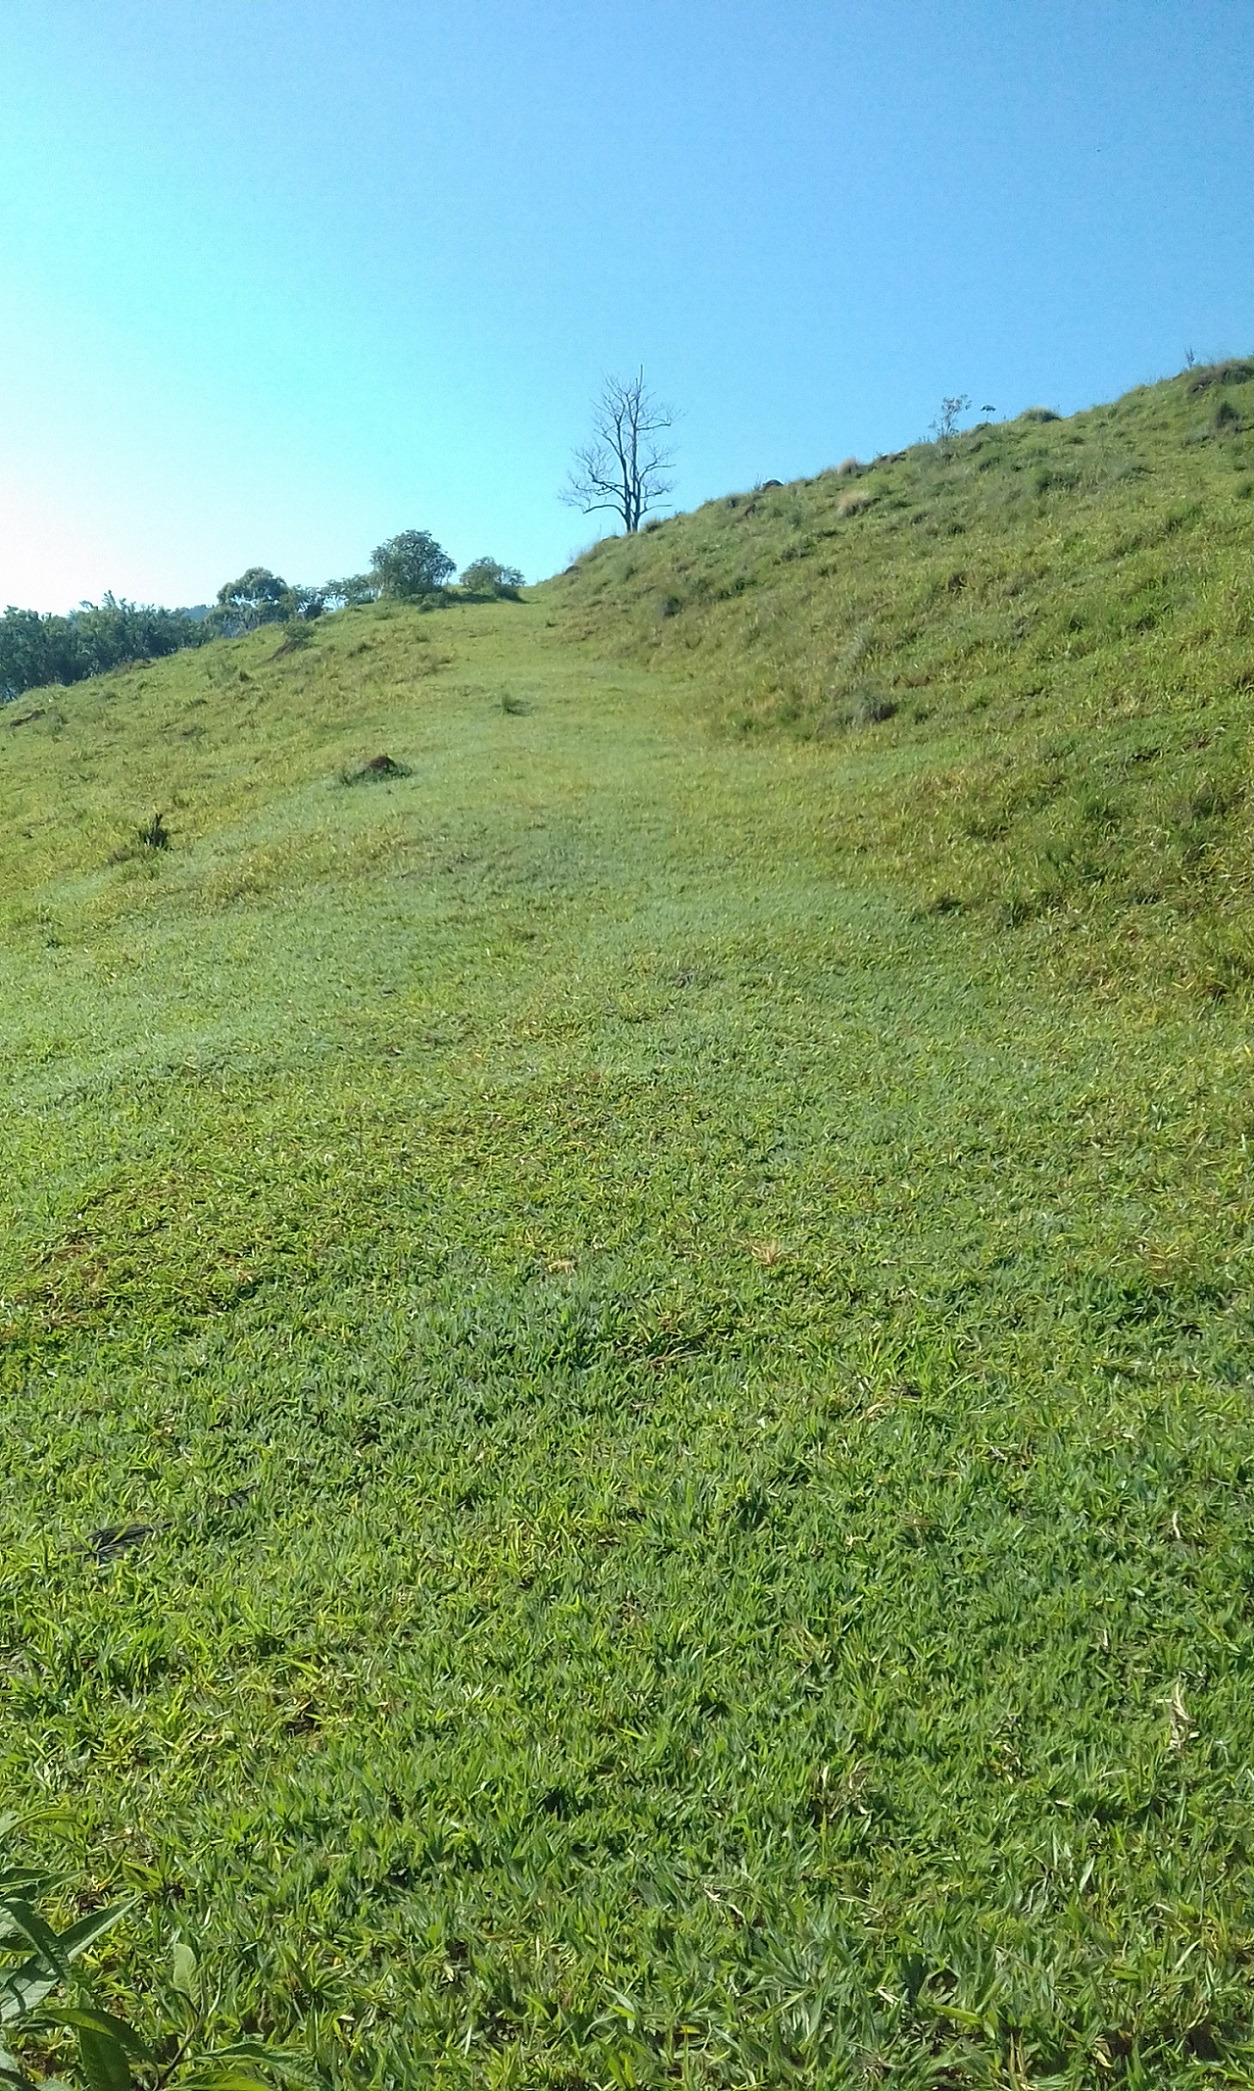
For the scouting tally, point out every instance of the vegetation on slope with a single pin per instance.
(38, 649)
(1037, 639)
(629, 1460)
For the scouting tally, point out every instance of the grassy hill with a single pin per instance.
(1038, 638)
(626, 1403)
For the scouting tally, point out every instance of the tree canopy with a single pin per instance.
(348, 593)
(488, 577)
(260, 597)
(411, 564)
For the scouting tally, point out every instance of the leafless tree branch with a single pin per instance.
(623, 466)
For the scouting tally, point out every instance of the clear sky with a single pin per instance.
(279, 278)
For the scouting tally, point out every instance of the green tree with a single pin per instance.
(36, 648)
(411, 565)
(489, 577)
(258, 597)
(113, 630)
(352, 590)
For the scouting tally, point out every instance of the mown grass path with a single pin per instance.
(695, 1427)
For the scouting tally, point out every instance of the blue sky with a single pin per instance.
(281, 277)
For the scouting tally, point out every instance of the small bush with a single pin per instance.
(1238, 370)
(854, 504)
(381, 769)
(299, 633)
(1039, 414)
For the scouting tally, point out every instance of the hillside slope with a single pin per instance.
(1035, 641)
(628, 1457)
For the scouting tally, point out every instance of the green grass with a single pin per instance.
(1036, 642)
(693, 1411)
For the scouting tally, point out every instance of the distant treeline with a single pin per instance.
(36, 648)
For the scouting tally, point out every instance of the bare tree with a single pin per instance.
(945, 426)
(622, 467)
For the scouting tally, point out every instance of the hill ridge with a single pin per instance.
(1035, 642)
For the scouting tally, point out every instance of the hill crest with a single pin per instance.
(1032, 645)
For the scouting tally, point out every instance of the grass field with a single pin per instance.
(629, 1449)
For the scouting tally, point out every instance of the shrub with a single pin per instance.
(488, 577)
(1236, 371)
(945, 426)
